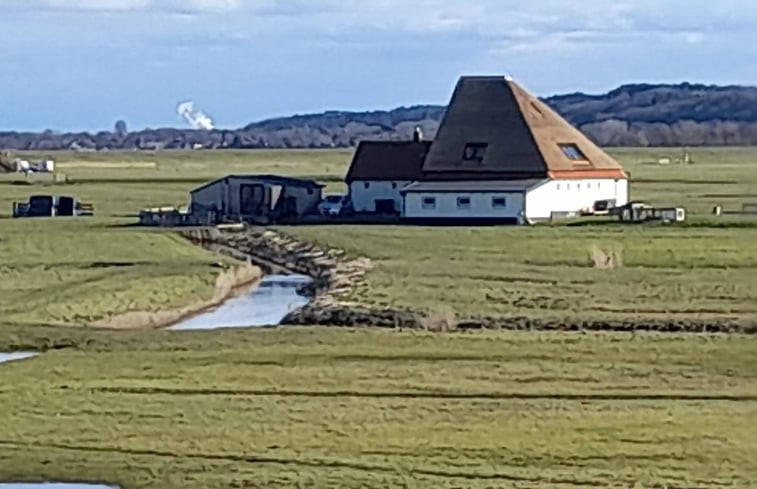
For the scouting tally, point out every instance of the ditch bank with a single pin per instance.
(230, 283)
(335, 275)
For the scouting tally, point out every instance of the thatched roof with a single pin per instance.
(494, 129)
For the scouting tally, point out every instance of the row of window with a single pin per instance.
(578, 186)
(464, 203)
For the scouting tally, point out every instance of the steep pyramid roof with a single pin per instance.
(493, 128)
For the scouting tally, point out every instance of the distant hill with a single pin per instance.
(631, 115)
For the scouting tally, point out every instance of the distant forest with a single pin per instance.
(632, 115)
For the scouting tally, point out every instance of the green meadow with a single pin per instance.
(322, 407)
(86, 268)
(375, 409)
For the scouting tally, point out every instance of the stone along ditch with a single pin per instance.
(267, 304)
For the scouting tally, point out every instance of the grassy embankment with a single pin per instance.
(328, 408)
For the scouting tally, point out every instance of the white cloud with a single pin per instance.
(502, 25)
(208, 5)
(104, 5)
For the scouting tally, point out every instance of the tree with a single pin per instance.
(6, 165)
(120, 129)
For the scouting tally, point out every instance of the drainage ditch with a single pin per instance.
(12, 357)
(267, 304)
(52, 485)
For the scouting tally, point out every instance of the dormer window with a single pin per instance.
(475, 152)
(573, 152)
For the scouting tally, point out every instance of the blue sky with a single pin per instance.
(83, 64)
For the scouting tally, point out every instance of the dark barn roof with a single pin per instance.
(388, 160)
(269, 179)
(509, 133)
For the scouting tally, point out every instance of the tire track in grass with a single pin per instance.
(426, 395)
(317, 463)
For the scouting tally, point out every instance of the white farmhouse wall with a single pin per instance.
(622, 191)
(572, 195)
(481, 206)
(364, 197)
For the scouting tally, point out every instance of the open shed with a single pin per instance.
(261, 199)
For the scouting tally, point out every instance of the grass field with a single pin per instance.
(704, 271)
(75, 272)
(333, 408)
(62, 272)
(696, 272)
(554, 273)
(372, 409)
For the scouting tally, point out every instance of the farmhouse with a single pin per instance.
(502, 154)
(380, 169)
(261, 199)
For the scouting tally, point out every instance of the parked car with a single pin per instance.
(334, 205)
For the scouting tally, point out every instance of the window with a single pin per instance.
(367, 184)
(463, 202)
(429, 203)
(568, 185)
(394, 184)
(558, 186)
(475, 152)
(573, 152)
(579, 186)
(499, 202)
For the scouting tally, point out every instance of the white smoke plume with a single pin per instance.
(196, 118)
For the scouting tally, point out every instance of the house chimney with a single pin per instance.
(417, 134)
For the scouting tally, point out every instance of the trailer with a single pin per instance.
(52, 206)
(637, 211)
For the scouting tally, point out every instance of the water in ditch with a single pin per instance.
(52, 485)
(266, 305)
(19, 355)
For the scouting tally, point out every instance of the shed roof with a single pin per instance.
(270, 179)
(472, 186)
(388, 160)
(517, 136)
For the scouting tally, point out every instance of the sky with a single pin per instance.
(84, 64)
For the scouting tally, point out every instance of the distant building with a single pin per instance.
(504, 154)
(379, 171)
(500, 154)
(260, 199)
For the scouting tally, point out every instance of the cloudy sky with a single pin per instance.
(83, 64)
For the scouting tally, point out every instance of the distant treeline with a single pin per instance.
(632, 115)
